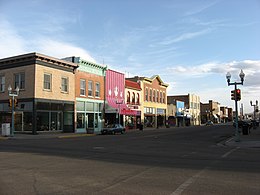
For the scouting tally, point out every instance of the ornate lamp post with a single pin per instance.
(242, 76)
(255, 106)
(118, 102)
(13, 94)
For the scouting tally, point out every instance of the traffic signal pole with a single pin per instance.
(12, 128)
(237, 131)
(242, 76)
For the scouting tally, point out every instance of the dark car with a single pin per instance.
(113, 129)
(209, 123)
(242, 123)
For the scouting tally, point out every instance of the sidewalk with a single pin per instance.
(46, 135)
(60, 135)
(246, 141)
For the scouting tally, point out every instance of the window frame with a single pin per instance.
(133, 98)
(82, 88)
(146, 94)
(90, 88)
(2, 83)
(21, 80)
(128, 97)
(45, 82)
(65, 86)
(97, 89)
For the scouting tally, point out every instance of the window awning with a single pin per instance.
(215, 116)
(120, 105)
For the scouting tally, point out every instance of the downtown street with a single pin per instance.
(184, 160)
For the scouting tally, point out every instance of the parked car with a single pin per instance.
(243, 122)
(113, 129)
(209, 123)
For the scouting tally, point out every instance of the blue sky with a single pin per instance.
(191, 44)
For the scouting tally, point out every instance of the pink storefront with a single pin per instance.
(116, 106)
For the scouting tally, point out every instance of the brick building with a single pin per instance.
(47, 91)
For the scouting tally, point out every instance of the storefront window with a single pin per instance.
(68, 119)
(27, 121)
(42, 121)
(43, 106)
(80, 120)
(80, 106)
(89, 106)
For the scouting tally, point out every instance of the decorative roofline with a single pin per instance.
(33, 58)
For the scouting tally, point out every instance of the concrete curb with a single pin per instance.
(4, 138)
(75, 135)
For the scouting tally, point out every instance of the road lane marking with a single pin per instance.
(127, 179)
(229, 152)
(188, 182)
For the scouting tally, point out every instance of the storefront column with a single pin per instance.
(34, 130)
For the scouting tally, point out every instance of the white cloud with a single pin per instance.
(61, 49)
(12, 43)
(198, 8)
(184, 37)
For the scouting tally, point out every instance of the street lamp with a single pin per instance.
(13, 94)
(255, 106)
(242, 76)
(118, 102)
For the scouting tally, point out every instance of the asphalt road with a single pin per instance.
(190, 160)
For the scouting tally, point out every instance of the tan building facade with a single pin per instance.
(154, 104)
(210, 111)
(191, 111)
(46, 96)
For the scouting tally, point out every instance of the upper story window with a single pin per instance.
(90, 88)
(47, 81)
(64, 84)
(138, 99)
(128, 97)
(146, 94)
(2, 83)
(163, 97)
(133, 98)
(19, 80)
(82, 87)
(160, 97)
(97, 90)
(157, 99)
(150, 95)
(154, 94)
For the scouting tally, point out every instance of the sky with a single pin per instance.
(190, 44)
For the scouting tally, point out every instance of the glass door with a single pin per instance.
(55, 123)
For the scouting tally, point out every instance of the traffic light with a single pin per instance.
(238, 94)
(15, 103)
(10, 103)
(233, 95)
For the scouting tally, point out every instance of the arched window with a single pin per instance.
(138, 99)
(154, 94)
(133, 98)
(146, 94)
(163, 98)
(128, 97)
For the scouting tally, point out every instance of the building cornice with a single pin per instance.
(36, 58)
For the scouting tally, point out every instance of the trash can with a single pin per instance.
(141, 127)
(6, 129)
(245, 129)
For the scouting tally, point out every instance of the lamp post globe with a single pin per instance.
(242, 76)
